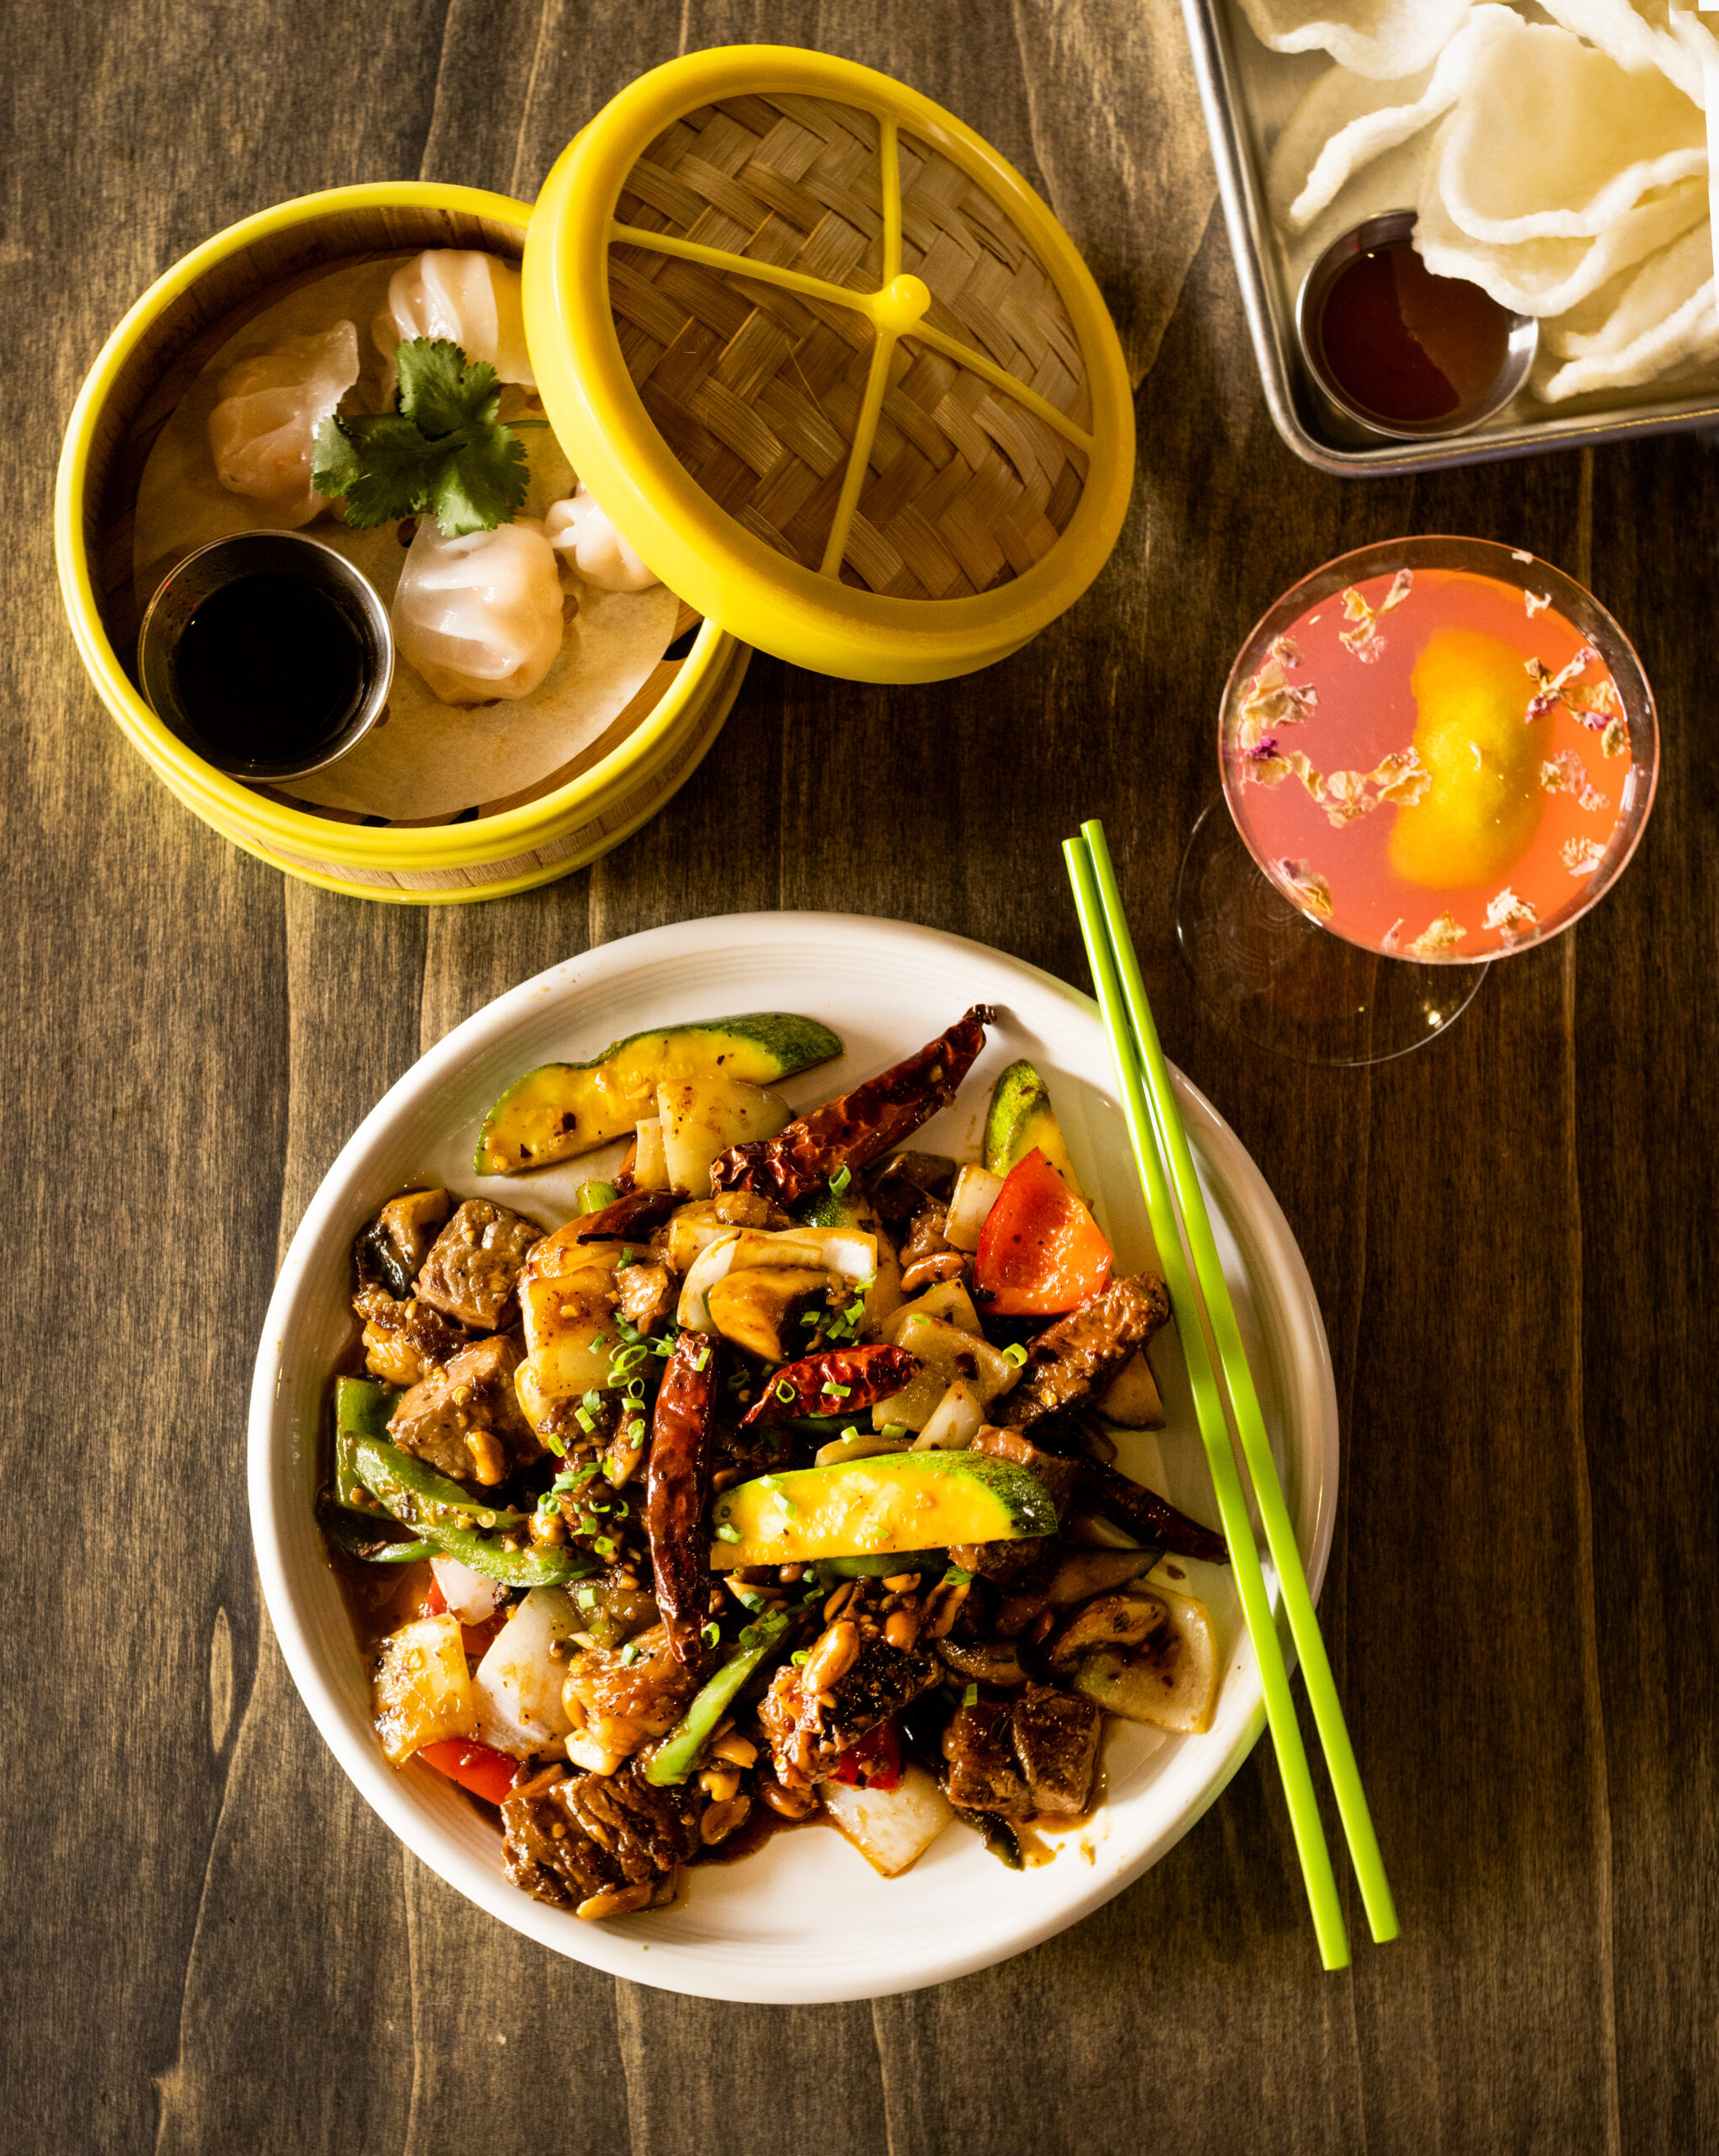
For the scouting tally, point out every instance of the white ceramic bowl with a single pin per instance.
(805, 1920)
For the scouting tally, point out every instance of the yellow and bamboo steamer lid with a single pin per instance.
(829, 363)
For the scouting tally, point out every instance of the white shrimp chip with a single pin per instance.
(1643, 34)
(1345, 121)
(1550, 277)
(1553, 140)
(1386, 39)
(1660, 314)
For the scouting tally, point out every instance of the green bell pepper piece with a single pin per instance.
(362, 1412)
(674, 1758)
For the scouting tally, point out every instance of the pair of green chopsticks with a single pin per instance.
(1161, 1152)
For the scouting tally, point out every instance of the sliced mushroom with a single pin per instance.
(901, 1187)
(1117, 1621)
(756, 1307)
(411, 1222)
(986, 1662)
(1171, 1683)
(1085, 1572)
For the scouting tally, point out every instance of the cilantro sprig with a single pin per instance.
(443, 452)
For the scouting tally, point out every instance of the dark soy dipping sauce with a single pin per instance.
(268, 669)
(1406, 345)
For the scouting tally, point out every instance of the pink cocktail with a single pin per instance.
(1435, 752)
(1440, 749)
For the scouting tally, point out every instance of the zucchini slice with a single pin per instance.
(908, 1501)
(562, 1109)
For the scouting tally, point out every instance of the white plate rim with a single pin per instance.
(615, 1947)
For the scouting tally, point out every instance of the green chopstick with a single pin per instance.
(1146, 1085)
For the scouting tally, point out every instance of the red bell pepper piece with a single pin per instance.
(1040, 1252)
(487, 1773)
(874, 1758)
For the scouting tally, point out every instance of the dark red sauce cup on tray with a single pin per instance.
(1395, 351)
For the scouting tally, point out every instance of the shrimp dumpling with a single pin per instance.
(262, 433)
(473, 299)
(479, 616)
(578, 527)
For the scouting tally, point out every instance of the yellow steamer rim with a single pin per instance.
(829, 364)
(130, 392)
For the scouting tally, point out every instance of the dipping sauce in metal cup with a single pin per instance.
(267, 652)
(1400, 352)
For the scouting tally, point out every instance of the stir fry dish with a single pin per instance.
(778, 1482)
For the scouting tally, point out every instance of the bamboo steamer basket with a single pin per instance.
(827, 362)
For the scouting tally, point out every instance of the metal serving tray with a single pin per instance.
(1246, 92)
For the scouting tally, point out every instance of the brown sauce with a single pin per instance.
(1406, 345)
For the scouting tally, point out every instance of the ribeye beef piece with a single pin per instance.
(1074, 1357)
(984, 1774)
(1036, 1753)
(806, 1737)
(472, 1270)
(1056, 1742)
(610, 1840)
(464, 1418)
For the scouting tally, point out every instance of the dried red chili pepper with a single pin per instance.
(632, 1218)
(836, 1381)
(1153, 1519)
(849, 1132)
(677, 1490)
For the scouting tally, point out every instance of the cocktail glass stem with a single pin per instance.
(1280, 980)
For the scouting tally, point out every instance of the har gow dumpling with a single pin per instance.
(473, 299)
(480, 615)
(262, 433)
(578, 527)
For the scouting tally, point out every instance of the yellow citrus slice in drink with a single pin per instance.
(1473, 735)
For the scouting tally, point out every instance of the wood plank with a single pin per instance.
(1509, 1233)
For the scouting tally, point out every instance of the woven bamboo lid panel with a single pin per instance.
(850, 346)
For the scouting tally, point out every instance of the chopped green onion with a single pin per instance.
(1015, 1354)
(955, 1577)
(851, 1431)
(713, 1633)
(783, 1390)
(839, 1180)
(800, 1657)
(630, 1653)
(728, 1532)
(970, 1698)
(896, 1430)
(604, 1546)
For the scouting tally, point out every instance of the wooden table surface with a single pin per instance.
(210, 1942)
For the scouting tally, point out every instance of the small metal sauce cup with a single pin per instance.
(188, 583)
(1355, 419)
